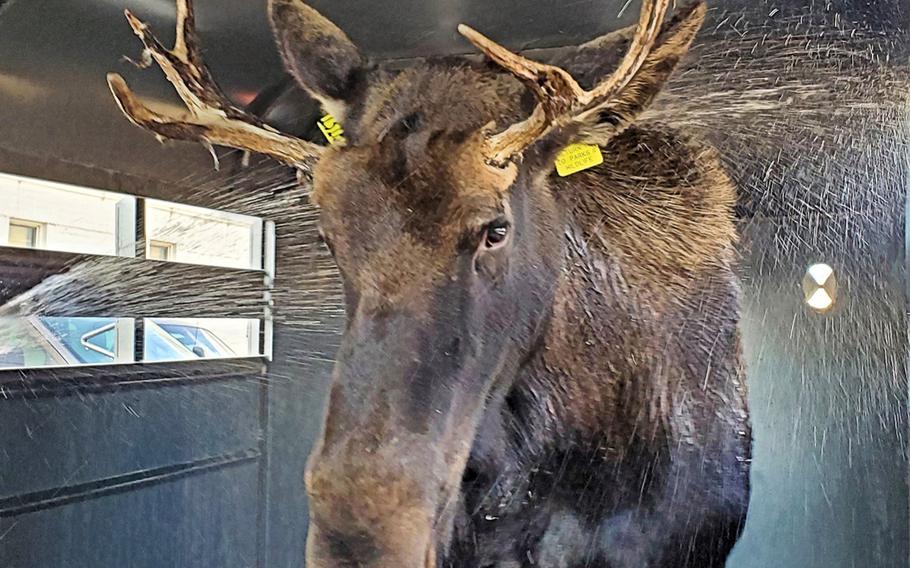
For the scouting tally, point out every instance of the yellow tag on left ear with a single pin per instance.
(331, 129)
(578, 157)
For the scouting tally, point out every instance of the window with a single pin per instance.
(45, 215)
(33, 342)
(160, 250)
(28, 342)
(196, 235)
(207, 338)
(26, 234)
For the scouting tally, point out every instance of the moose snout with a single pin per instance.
(395, 440)
(373, 511)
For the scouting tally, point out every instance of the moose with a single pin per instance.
(536, 369)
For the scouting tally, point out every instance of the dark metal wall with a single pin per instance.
(828, 397)
(131, 467)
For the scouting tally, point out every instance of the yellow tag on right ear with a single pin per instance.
(578, 157)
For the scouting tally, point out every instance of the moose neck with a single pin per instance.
(623, 282)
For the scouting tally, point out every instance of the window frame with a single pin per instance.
(255, 225)
(38, 227)
(128, 238)
(170, 248)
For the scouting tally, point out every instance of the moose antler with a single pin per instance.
(561, 99)
(212, 118)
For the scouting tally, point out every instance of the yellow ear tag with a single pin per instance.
(578, 157)
(331, 129)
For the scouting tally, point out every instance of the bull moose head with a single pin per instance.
(448, 236)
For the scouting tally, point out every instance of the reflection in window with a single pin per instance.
(45, 215)
(31, 342)
(39, 214)
(207, 338)
(159, 250)
(195, 235)
(24, 234)
(60, 341)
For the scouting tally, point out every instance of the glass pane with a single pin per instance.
(205, 338)
(64, 341)
(161, 251)
(23, 235)
(55, 216)
(195, 235)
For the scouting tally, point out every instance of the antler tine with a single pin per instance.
(212, 118)
(186, 23)
(556, 91)
(560, 98)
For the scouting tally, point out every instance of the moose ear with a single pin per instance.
(320, 56)
(622, 110)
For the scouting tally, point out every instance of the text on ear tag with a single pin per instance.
(331, 129)
(577, 157)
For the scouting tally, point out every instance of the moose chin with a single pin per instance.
(536, 370)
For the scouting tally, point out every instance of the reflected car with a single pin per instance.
(62, 341)
(170, 340)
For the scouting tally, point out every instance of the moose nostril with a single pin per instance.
(352, 547)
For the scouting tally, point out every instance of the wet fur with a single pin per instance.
(615, 430)
(625, 440)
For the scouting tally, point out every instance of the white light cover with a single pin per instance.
(820, 300)
(820, 273)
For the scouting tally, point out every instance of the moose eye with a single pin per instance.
(495, 234)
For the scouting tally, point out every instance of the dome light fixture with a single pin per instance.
(820, 287)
